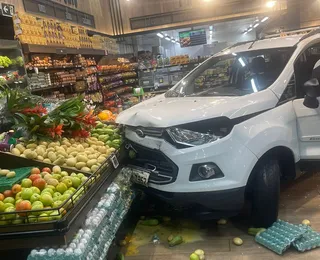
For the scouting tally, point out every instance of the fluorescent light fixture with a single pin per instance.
(211, 27)
(168, 38)
(173, 40)
(256, 25)
(245, 32)
(241, 62)
(160, 35)
(211, 32)
(177, 42)
(250, 29)
(271, 4)
(254, 87)
(264, 19)
(250, 26)
(234, 54)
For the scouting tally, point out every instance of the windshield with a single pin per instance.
(234, 74)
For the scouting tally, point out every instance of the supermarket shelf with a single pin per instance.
(57, 68)
(101, 74)
(52, 87)
(122, 78)
(169, 66)
(35, 48)
(122, 85)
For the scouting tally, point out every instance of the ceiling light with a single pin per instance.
(160, 35)
(211, 32)
(256, 25)
(168, 38)
(250, 29)
(234, 54)
(245, 32)
(241, 62)
(211, 27)
(264, 19)
(271, 4)
(250, 25)
(173, 40)
(254, 87)
(177, 42)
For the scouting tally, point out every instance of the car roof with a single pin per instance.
(270, 43)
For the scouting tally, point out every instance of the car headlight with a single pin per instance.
(190, 138)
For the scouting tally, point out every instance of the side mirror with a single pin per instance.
(312, 89)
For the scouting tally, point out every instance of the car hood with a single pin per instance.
(165, 112)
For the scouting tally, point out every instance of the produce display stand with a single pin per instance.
(60, 232)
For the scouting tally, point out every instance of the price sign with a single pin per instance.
(7, 9)
(114, 161)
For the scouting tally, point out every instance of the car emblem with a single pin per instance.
(140, 133)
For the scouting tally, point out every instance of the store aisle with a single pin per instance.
(299, 200)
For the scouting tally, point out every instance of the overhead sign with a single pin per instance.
(193, 38)
(7, 9)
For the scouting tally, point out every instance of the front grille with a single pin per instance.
(162, 169)
(148, 131)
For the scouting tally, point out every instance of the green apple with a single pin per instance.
(51, 187)
(26, 194)
(31, 219)
(61, 187)
(18, 201)
(76, 182)
(35, 190)
(64, 174)
(18, 195)
(10, 216)
(64, 197)
(57, 194)
(26, 183)
(17, 221)
(84, 179)
(56, 176)
(55, 215)
(2, 208)
(67, 182)
(73, 174)
(37, 203)
(9, 200)
(35, 197)
(37, 207)
(48, 190)
(80, 175)
(56, 204)
(8, 205)
(46, 199)
(72, 189)
(68, 192)
(43, 218)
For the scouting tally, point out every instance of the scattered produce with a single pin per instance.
(177, 240)
(108, 134)
(198, 255)
(255, 231)
(194, 256)
(222, 222)
(40, 191)
(237, 241)
(306, 222)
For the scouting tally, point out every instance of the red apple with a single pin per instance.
(8, 193)
(39, 183)
(46, 169)
(33, 177)
(23, 205)
(16, 188)
(35, 171)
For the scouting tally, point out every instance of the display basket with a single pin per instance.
(28, 229)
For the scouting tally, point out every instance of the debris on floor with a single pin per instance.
(237, 241)
(281, 235)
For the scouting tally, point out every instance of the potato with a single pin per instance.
(93, 146)
(60, 161)
(85, 169)
(101, 159)
(40, 158)
(82, 158)
(40, 151)
(30, 154)
(44, 143)
(64, 147)
(20, 147)
(102, 149)
(80, 148)
(71, 162)
(23, 156)
(94, 168)
(93, 139)
(85, 145)
(72, 141)
(31, 146)
(74, 154)
(91, 162)
(92, 156)
(45, 155)
(111, 150)
(52, 145)
(64, 154)
(99, 143)
(80, 165)
(47, 160)
(51, 149)
(16, 151)
(52, 156)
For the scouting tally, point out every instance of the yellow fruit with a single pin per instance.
(237, 241)
(16, 151)
(306, 222)
(20, 147)
(11, 175)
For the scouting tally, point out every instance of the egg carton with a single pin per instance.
(309, 240)
(280, 236)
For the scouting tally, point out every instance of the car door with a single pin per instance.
(308, 119)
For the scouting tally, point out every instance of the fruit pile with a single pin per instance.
(43, 196)
(108, 134)
(85, 155)
(5, 61)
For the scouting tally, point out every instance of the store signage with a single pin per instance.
(193, 38)
(7, 9)
(58, 11)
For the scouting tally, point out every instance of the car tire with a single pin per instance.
(266, 193)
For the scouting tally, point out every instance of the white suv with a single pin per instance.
(232, 128)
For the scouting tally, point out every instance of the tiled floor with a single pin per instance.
(299, 200)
